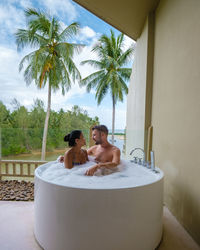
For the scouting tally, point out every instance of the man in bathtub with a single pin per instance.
(105, 154)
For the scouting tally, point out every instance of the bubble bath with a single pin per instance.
(126, 174)
(117, 208)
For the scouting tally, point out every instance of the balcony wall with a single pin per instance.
(168, 51)
(136, 96)
(176, 107)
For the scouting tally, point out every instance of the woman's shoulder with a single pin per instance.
(69, 152)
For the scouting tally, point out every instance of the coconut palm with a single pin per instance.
(51, 63)
(111, 75)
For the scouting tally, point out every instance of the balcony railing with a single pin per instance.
(18, 168)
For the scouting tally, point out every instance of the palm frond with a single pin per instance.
(73, 70)
(65, 83)
(125, 73)
(92, 80)
(26, 37)
(94, 63)
(29, 58)
(126, 56)
(123, 85)
(28, 74)
(120, 40)
(101, 91)
(31, 12)
(69, 31)
(68, 49)
(26, 58)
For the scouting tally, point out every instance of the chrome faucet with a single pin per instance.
(147, 164)
(139, 160)
(153, 162)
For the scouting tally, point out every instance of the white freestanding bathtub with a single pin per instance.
(93, 217)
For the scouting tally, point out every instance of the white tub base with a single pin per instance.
(97, 219)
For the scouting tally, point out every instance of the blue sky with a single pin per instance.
(12, 84)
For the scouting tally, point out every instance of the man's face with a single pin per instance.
(96, 136)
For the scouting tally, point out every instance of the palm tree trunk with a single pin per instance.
(44, 140)
(113, 119)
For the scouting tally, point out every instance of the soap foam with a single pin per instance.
(126, 174)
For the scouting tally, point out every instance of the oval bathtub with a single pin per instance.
(88, 216)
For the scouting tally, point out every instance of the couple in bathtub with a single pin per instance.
(104, 153)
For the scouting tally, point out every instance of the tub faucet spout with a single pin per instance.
(152, 160)
(135, 158)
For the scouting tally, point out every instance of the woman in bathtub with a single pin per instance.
(75, 155)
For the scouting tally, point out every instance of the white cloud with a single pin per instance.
(61, 6)
(128, 42)
(25, 3)
(86, 54)
(63, 25)
(87, 35)
(105, 115)
(11, 19)
(88, 32)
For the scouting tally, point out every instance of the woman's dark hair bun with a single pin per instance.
(71, 138)
(66, 138)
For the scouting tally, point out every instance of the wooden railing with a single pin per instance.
(18, 168)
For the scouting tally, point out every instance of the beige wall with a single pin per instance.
(136, 96)
(176, 107)
(137, 120)
(139, 96)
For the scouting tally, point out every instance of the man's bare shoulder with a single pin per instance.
(92, 149)
(115, 149)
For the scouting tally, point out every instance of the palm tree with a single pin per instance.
(51, 63)
(111, 75)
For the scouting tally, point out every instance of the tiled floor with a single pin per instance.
(16, 229)
(16, 226)
(175, 236)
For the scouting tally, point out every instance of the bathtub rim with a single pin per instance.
(161, 176)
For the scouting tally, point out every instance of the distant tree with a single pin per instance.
(37, 114)
(111, 75)
(4, 116)
(51, 63)
(24, 133)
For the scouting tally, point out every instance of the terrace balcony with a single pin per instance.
(17, 217)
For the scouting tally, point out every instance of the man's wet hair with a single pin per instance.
(101, 128)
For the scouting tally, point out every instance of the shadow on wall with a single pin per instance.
(184, 204)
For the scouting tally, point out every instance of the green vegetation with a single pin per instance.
(112, 74)
(22, 131)
(51, 63)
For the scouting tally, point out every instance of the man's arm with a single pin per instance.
(115, 161)
(90, 150)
